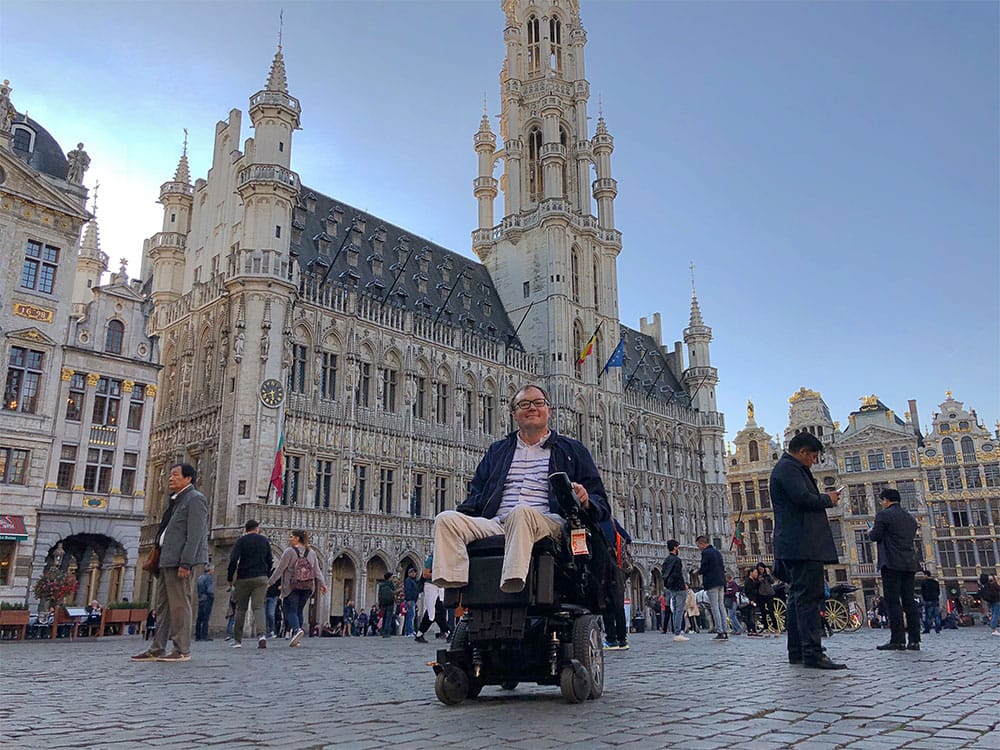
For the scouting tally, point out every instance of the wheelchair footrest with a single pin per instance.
(500, 623)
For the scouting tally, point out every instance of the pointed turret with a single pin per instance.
(274, 114)
(91, 265)
(700, 378)
(166, 247)
(276, 78)
(605, 188)
(485, 185)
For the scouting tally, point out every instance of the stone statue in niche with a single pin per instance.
(265, 346)
(238, 345)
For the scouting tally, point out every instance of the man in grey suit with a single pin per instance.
(182, 539)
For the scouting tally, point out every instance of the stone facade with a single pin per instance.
(396, 359)
(957, 538)
(79, 379)
(961, 468)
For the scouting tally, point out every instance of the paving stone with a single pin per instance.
(369, 693)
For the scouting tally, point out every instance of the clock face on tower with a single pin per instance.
(272, 393)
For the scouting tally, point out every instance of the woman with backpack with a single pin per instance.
(299, 572)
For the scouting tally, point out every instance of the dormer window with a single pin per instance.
(375, 261)
(23, 140)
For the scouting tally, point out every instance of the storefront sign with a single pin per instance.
(12, 529)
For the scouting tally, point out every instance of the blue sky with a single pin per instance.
(830, 168)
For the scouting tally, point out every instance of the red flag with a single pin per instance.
(278, 472)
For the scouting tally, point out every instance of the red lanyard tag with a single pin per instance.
(578, 541)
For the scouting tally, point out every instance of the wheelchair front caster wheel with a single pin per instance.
(451, 685)
(575, 683)
(508, 685)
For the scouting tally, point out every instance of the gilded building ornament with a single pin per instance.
(92, 378)
(869, 403)
(803, 393)
(150, 391)
(66, 374)
(33, 312)
(127, 385)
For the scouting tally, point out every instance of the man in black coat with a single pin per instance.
(803, 543)
(894, 531)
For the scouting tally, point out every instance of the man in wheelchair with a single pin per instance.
(539, 564)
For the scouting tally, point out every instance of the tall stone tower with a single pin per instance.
(553, 260)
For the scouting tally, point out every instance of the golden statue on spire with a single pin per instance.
(749, 410)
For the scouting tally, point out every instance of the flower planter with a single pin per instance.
(15, 620)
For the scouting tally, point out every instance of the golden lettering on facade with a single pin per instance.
(31, 312)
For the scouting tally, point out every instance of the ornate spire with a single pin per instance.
(276, 80)
(183, 173)
(696, 319)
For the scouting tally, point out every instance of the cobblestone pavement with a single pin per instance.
(378, 693)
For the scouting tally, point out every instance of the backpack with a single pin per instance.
(386, 594)
(625, 560)
(303, 575)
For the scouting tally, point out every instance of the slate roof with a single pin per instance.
(403, 269)
(399, 267)
(47, 156)
(646, 369)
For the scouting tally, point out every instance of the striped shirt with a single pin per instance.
(527, 481)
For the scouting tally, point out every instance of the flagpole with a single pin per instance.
(637, 364)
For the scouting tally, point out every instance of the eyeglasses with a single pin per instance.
(538, 403)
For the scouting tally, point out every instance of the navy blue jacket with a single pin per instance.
(894, 531)
(566, 454)
(673, 573)
(713, 569)
(801, 528)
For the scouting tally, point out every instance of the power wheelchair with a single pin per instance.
(551, 633)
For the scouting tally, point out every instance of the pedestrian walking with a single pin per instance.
(729, 601)
(748, 602)
(434, 610)
(615, 622)
(271, 599)
(350, 615)
(765, 600)
(206, 600)
(182, 550)
(249, 563)
(386, 594)
(411, 591)
(692, 610)
(803, 543)
(989, 590)
(930, 595)
(299, 573)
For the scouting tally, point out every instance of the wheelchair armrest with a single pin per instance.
(562, 488)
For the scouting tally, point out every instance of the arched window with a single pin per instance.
(555, 45)
(596, 280)
(534, 46)
(535, 164)
(754, 451)
(574, 265)
(577, 348)
(564, 141)
(114, 337)
(968, 450)
(948, 451)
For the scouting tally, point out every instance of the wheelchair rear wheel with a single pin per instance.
(451, 685)
(588, 649)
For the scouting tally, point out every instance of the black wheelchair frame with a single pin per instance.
(551, 633)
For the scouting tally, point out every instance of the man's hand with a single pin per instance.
(323, 589)
(183, 572)
(581, 495)
(834, 497)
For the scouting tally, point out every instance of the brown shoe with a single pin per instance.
(174, 656)
(147, 656)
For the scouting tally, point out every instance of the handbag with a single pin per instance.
(152, 563)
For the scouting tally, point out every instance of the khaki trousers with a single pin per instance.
(252, 591)
(453, 530)
(172, 605)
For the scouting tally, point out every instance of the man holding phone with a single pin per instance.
(803, 543)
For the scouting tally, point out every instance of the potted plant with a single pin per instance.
(55, 585)
(14, 616)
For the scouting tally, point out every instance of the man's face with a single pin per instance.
(701, 545)
(534, 416)
(177, 481)
(806, 457)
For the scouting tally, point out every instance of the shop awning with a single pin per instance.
(12, 529)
